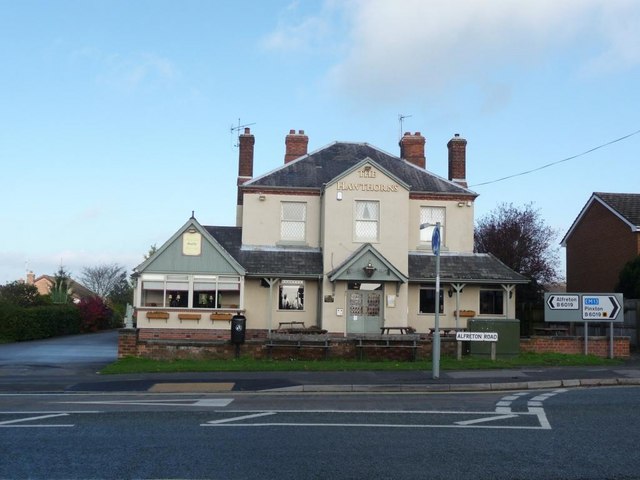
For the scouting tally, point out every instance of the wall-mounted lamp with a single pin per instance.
(262, 198)
(461, 204)
(510, 293)
(450, 292)
(369, 269)
(338, 196)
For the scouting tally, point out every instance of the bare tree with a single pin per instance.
(103, 279)
(522, 241)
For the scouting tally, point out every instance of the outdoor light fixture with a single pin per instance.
(369, 269)
(450, 292)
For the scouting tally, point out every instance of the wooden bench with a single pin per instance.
(555, 331)
(298, 341)
(399, 341)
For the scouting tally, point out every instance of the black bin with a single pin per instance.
(238, 328)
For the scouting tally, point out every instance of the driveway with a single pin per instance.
(68, 354)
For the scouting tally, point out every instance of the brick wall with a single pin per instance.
(598, 248)
(598, 346)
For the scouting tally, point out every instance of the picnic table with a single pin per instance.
(400, 330)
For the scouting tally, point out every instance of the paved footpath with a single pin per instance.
(70, 364)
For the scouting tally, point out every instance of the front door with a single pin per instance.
(365, 311)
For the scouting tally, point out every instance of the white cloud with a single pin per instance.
(394, 48)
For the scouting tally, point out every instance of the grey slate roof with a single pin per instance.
(269, 261)
(326, 164)
(626, 204)
(471, 268)
(307, 262)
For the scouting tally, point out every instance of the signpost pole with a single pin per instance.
(435, 244)
(610, 339)
(586, 338)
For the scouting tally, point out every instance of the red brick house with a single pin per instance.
(601, 240)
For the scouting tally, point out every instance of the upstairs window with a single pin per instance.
(293, 220)
(367, 221)
(432, 215)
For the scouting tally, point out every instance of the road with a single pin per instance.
(59, 420)
(551, 434)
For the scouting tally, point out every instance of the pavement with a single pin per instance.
(71, 365)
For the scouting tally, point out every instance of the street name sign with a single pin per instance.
(477, 336)
(583, 307)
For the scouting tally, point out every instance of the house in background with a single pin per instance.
(601, 240)
(44, 284)
(330, 239)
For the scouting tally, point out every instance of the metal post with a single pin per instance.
(436, 335)
(586, 340)
(610, 339)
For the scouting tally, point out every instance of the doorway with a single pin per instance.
(364, 303)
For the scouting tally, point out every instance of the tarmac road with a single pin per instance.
(71, 363)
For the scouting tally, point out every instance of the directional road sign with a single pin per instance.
(563, 302)
(600, 307)
(583, 307)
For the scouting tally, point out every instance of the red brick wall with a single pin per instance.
(598, 346)
(598, 248)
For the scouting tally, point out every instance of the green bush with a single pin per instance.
(31, 323)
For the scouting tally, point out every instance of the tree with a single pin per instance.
(103, 279)
(152, 249)
(629, 279)
(21, 294)
(522, 241)
(61, 288)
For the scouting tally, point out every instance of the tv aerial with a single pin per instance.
(237, 129)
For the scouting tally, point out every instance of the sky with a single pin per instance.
(117, 117)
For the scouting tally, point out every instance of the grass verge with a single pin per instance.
(143, 365)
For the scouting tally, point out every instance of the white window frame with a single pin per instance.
(169, 282)
(298, 223)
(357, 221)
(431, 214)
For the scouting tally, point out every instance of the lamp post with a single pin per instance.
(435, 245)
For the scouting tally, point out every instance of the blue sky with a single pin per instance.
(115, 116)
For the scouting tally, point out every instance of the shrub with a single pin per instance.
(95, 314)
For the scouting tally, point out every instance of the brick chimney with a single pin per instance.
(458, 160)
(412, 149)
(245, 159)
(31, 278)
(296, 145)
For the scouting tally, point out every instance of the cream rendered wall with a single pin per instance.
(469, 300)
(338, 240)
(261, 218)
(458, 234)
(257, 306)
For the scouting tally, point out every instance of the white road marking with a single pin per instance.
(181, 402)
(486, 419)
(12, 423)
(235, 419)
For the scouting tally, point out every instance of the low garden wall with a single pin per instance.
(215, 344)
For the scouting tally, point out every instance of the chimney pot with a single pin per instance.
(457, 147)
(295, 145)
(412, 149)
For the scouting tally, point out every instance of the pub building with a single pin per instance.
(338, 239)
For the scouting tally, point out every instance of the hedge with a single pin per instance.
(31, 323)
